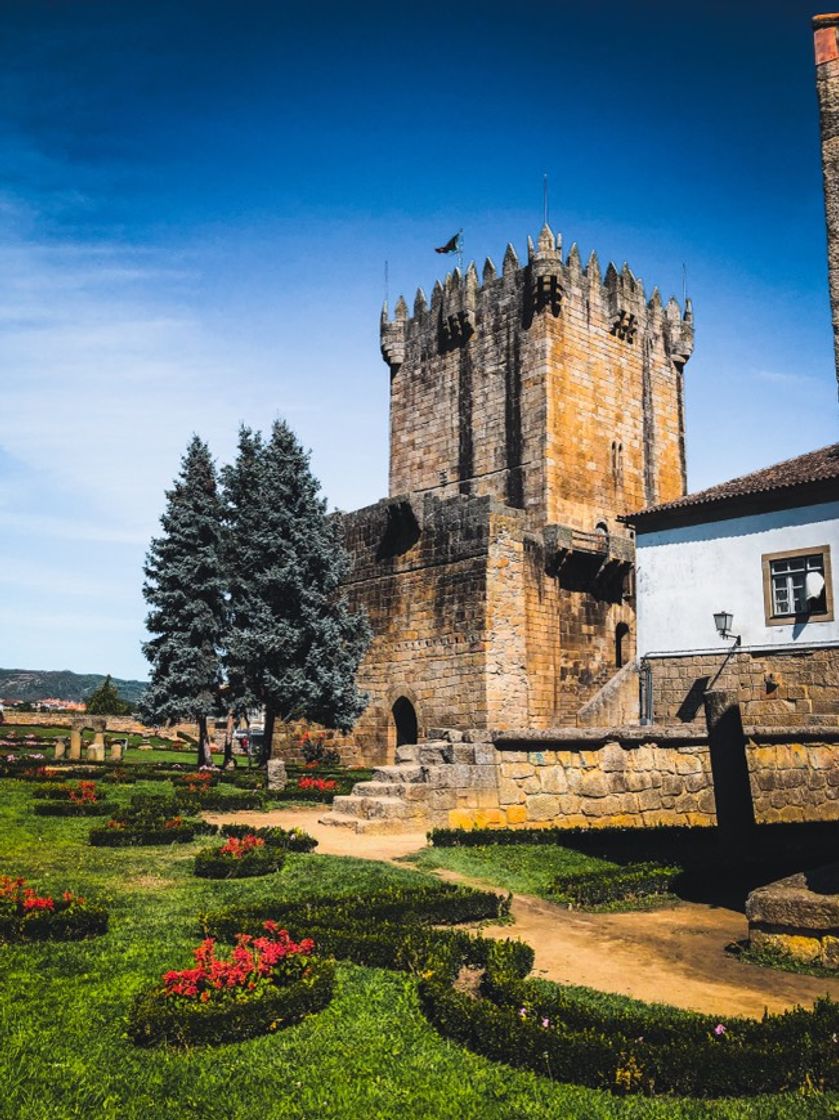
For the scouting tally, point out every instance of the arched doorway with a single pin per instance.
(621, 644)
(405, 718)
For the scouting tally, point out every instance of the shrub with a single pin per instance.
(268, 981)
(74, 808)
(27, 916)
(315, 752)
(292, 840)
(613, 1043)
(212, 799)
(239, 859)
(149, 819)
(596, 888)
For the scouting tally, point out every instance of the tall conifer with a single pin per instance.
(293, 645)
(186, 590)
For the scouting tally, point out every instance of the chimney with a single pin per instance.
(826, 43)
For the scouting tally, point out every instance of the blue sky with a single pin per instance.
(197, 199)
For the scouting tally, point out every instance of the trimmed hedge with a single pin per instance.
(148, 835)
(624, 1046)
(64, 923)
(292, 840)
(389, 928)
(68, 808)
(156, 1017)
(217, 801)
(211, 864)
(596, 888)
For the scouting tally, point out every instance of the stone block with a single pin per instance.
(509, 792)
(277, 776)
(485, 754)
(517, 769)
(542, 807)
(59, 749)
(96, 752)
(115, 753)
(516, 814)
(490, 818)
(553, 779)
(593, 784)
(461, 818)
(612, 757)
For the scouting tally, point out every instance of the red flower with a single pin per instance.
(238, 848)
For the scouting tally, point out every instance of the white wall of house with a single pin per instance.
(686, 574)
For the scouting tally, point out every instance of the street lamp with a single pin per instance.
(723, 621)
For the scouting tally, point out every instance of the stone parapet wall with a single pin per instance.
(641, 777)
(126, 725)
(783, 688)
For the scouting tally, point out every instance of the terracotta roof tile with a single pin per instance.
(819, 466)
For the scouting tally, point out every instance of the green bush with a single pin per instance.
(156, 1017)
(210, 863)
(623, 1046)
(595, 888)
(75, 808)
(135, 836)
(213, 799)
(292, 840)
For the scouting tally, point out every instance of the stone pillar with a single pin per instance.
(277, 776)
(116, 752)
(60, 748)
(96, 750)
(75, 744)
(826, 43)
(730, 770)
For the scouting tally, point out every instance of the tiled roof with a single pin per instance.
(814, 471)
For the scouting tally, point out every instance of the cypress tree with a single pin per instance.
(106, 701)
(186, 590)
(293, 645)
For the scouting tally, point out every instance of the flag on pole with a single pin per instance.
(451, 245)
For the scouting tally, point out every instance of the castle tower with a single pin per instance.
(826, 43)
(548, 388)
(529, 410)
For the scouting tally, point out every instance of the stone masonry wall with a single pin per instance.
(124, 724)
(425, 596)
(774, 689)
(637, 778)
(547, 388)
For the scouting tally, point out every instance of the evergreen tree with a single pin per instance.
(106, 701)
(293, 645)
(185, 588)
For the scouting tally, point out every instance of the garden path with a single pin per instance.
(674, 955)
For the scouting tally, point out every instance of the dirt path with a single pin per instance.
(674, 955)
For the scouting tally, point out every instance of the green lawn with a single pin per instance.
(371, 1054)
(523, 868)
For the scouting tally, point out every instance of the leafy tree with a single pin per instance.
(293, 645)
(106, 701)
(185, 588)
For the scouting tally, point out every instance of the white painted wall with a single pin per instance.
(685, 574)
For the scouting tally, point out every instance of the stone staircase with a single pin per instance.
(428, 780)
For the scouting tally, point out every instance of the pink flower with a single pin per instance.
(719, 1030)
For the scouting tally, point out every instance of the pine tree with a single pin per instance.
(186, 590)
(293, 645)
(106, 701)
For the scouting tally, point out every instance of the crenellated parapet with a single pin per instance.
(542, 286)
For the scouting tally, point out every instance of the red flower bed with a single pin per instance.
(239, 848)
(263, 983)
(26, 915)
(322, 785)
(254, 961)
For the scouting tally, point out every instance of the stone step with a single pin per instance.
(408, 753)
(373, 808)
(381, 825)
(409, 791)
(404, 772)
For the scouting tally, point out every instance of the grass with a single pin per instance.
(777, 958)
(525, 868)
(64, 1054)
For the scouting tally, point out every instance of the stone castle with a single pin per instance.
(528, 412)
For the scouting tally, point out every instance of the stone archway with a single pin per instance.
(405, 721)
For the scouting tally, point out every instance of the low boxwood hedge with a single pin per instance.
(218, 801)
(27, 916)
(615, 884)
(142, 835)
(211, 863)
(156, 1017)
(291, 839)
(624, 1046)
(68, 808)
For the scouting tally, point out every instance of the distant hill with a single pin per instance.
(39, 684)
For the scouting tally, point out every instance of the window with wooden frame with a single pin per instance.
(797, 586)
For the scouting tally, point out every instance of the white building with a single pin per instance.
(765, 548)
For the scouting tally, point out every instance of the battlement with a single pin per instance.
(617, 301)
(548, 387)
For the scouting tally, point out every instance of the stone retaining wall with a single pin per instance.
(638, 777)
(119, 724)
